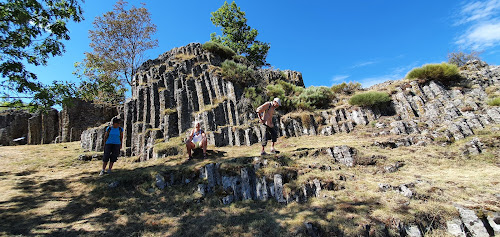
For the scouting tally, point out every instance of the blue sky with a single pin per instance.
(328, 41)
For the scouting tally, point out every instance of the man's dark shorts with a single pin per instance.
(111, 152)
(269, 134)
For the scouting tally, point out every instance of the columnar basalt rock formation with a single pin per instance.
(185, 84)
(181, 86)
(50, 126)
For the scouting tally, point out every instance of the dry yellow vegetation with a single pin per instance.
(46, 190)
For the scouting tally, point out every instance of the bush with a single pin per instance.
(219, 49)
(237, 72)
(346, 88)
(371, 98)
(255, 95)
(460, 58)
(443, 72)
(315, 97)
(494, 101)
(287, 92)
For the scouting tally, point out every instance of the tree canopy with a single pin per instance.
(30, 33)
(237, 35)
(119, 41)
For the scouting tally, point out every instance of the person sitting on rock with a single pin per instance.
(113, 144)
(197, 139)
(265, 113)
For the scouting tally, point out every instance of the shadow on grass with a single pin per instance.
(136, 207)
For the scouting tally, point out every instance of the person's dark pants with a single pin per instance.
(111, 152)
(269, 134)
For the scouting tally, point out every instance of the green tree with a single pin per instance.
(237, 35)
(30, 32)
(99, 86)
(119, 41)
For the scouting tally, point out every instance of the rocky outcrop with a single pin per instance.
(181, 86)
(79, 116)
(43, 127)
(13, 125)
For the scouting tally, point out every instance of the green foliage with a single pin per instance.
(371, 98)
(219, 49)
(237, 72)
(346, 88)
(315, 97)
(237, 35)
(98, 86)
(460, 58)
(494, 102)
(119, 41)
(15, 104)
(444, 72)
(287, 92)
(255, 94)
(31, 32)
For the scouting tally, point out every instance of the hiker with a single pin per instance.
(113, 138)
(265, 113)
(197, 139)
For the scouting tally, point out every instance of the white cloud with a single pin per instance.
(363, 64)
(478, 11)
(481, 36)
(339, 78)
(484, 24)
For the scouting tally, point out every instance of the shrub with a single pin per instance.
(316, 97)
(371, 98)
(287, 92)
(346, 88)
(443, 72)
(460, 58)
(494, 102)
(237, 72)
(219, 49)
(255, 95)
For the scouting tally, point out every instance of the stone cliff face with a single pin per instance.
(52, 125)
(179, 87)
(184, 85)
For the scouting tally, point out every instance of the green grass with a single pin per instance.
(444, 72)
(219, 49)
(44, 190)
(371, 98)
(494, 102)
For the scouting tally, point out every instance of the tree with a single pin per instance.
(30, 32)
(237, 35)
(119, 41)
(99, 86)
(461, 58)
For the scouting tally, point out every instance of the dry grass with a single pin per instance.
(45, 190)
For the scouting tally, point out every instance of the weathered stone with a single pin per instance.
(160, 181)
(412, 231)
(455, 227)
(278, 188)
(472, 222)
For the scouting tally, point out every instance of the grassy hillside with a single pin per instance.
(46, 190)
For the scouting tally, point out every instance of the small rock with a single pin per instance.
(228, 199)
(405, 191)
(114, 184)
(202, 189)
(413, 231)
(395, 167)
(160, 182)
(455, 228)
(384, 187)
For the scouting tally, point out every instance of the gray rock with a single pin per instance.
(455, 227)
(412, 231)
(114, 184)
(160, 182)
(472, 222)
(202, 189)
(494, 221)
(278, 188)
